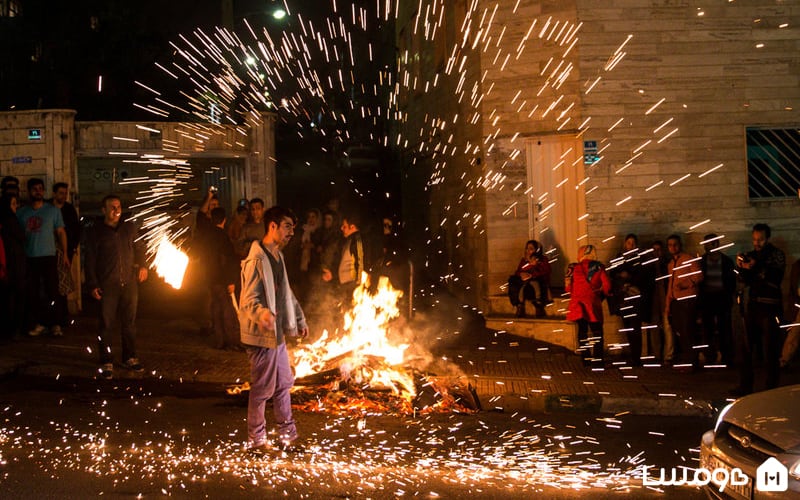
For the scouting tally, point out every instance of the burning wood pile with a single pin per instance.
(365, 369)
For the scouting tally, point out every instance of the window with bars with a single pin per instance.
(773, 162)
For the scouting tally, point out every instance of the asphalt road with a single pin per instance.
(81, 439)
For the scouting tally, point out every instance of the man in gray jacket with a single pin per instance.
(268, 313)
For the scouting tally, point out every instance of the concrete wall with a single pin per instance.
(105, 145)
(715, 81)
(51, 157)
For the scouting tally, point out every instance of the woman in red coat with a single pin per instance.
(587, 283)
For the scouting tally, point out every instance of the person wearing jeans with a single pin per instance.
(268, 313)
(115, 265)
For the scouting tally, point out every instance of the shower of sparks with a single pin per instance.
(310, 68)
(322, 76)
(357, 455)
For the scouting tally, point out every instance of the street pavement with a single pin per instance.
(508, 373)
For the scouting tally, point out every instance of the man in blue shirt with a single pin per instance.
(44, 230)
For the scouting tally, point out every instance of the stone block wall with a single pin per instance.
(50, 157)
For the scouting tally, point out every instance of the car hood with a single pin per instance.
(772, 415)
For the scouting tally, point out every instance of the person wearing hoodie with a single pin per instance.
(268, 313)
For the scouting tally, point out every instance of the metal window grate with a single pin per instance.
(773, 162)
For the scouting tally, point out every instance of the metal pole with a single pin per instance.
(410, 289)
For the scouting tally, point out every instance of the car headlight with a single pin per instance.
(722, 415)
(792, 462)
(794, 468)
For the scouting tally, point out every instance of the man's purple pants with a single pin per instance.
(270, 377)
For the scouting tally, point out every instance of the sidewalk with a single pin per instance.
(509, 373)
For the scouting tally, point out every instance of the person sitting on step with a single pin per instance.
(531, 280)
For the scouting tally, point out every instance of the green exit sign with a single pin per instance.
(34, 134)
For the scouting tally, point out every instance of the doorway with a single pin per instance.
(556, 199)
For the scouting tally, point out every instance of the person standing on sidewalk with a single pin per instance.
(44, 235)
(626, 276)
(587, 283)
(222, 268)
(115, 265)
(762, 271)
(72, 226)
(12, 291)
(654, 299)
(268, 313)
(717, 292)
(792, 342)
(685, 276)
(350, 261)
(254, 229)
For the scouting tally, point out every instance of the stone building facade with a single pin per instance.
(98, 158)
(575, 122)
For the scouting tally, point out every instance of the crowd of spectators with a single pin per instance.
(677, 309)
(325, 258)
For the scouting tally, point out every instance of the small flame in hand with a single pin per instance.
(170, 263)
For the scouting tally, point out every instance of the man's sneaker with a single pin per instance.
(56, 331)
(133, 365)
(107, 371)
(37, 330)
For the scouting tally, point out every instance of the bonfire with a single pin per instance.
(366, 369)
(361, 357)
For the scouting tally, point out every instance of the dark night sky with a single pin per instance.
(55, 52)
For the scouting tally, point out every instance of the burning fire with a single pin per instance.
(170, 263)
(363, 353)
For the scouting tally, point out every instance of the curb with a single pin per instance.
(571, 403)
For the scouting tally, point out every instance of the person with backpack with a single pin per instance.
(588, 284)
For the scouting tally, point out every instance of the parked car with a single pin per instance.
(750, 432)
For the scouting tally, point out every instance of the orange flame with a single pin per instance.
(364, 340)
(170, 263)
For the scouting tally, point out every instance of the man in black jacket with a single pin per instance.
(762, 271)
(115, 265)
(222, 272)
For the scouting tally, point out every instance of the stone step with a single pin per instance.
(551, 330)
(500, 305)
(554, 328)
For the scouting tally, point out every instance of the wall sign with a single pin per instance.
(590, 156)
(21, 159)
(34, 134)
